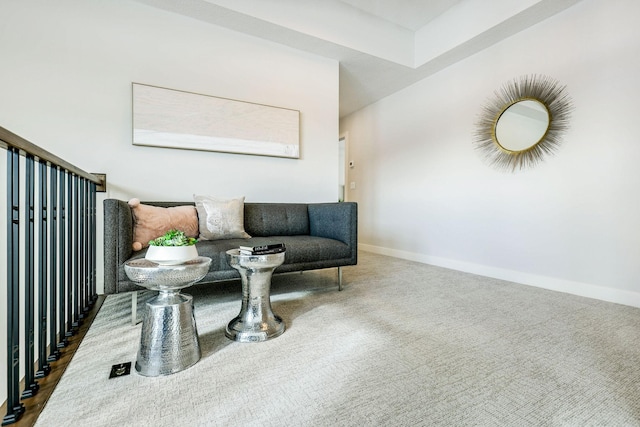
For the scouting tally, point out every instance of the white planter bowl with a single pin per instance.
(171, 255)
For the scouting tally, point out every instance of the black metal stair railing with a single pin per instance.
(51, 261)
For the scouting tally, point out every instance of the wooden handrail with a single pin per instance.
(10, 139)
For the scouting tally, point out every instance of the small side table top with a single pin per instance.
(250, 262)
(166, 277)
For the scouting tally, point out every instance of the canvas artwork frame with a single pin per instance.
(179, 119)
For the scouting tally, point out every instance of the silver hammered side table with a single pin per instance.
(169, 338)
(256, 321)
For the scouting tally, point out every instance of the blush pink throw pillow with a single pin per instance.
(150, 222)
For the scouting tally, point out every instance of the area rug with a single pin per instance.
(403, 344)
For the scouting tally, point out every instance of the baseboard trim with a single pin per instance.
(587, 290)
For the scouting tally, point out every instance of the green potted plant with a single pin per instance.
(172, 248)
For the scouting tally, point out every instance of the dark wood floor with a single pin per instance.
(34, 405)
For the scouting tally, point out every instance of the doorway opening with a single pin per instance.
(342, 168)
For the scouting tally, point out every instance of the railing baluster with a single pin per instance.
(92, 246)
(50, 219)
(62, 264)
(70, 255)
(83, 303)
(31, 386)
(15, 408)
(54, 353)
(76, 253)
(43, 367)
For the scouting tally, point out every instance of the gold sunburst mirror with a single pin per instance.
(523, 122)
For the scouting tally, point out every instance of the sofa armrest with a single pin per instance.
(337, 221)
(118, 240)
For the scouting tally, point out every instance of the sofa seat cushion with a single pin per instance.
(300, 250)
(307, 249)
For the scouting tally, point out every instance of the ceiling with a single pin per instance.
(382, 45)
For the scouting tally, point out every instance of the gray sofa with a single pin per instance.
(316, 235)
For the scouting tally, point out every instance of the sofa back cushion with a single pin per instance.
(276, 219)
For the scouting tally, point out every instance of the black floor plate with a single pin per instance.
(120, 370)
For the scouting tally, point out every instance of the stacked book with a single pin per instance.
(273, 248)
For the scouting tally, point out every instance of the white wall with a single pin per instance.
(65, 79)
(66, 69)
(571, 223)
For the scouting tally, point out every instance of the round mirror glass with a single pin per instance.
(522, 125)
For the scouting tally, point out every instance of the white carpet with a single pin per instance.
(403, 344)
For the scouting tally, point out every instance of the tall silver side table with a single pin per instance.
(169, 339)
(256, 321)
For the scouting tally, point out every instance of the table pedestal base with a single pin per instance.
(256, 321)
(169, 339)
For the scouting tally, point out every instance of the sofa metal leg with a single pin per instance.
(134, 308)
(339, 278)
